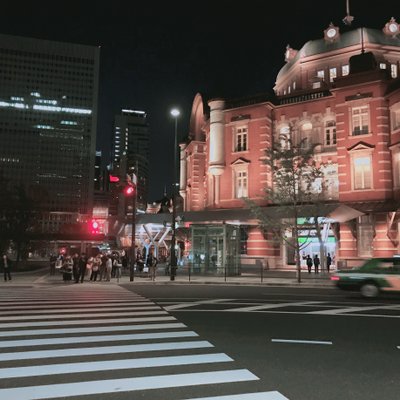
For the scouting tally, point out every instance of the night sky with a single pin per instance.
(158, 54)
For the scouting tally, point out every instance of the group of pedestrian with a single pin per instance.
(81, 267)
(316, 262)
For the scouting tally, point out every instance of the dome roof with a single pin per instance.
(346, 39)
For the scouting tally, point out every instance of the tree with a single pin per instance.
(294, 174)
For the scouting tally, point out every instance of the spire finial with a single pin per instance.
(348, 19)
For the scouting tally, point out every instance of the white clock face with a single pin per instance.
(331, 33)
(393, 28)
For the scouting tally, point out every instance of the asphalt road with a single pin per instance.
(308, 344)
(195, 342)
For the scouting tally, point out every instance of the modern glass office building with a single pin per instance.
(48, 116)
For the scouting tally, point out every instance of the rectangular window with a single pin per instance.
(332, 74)
(345, 70)
(240, 184)
(321, 74)
(393, 70)
(382, 65)
(360, 118)
(362, 173)
(365, 236)
(241, 139)
(395, 119)
(330, 133)
(396, 170)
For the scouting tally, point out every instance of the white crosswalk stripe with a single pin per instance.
(108, 331)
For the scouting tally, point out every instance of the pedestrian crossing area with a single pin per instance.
(105, 342)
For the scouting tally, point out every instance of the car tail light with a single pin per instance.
(335, 278)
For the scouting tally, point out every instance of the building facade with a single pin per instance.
(340, 92)
(48, 117)
(131, 148)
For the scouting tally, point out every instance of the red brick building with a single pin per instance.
(342, 92)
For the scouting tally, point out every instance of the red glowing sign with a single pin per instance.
(114, 178)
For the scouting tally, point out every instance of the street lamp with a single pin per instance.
(175, 113)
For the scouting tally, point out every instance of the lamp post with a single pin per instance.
(175, 113)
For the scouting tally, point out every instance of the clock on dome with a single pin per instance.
(331, 33)
(391, 28)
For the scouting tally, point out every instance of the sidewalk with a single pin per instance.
(269, 278)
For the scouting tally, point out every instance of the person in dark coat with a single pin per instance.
(82, 267)
(309, 263)
(328, 262)
(6, 264)
(316, 263)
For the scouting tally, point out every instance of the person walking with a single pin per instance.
(309, 263)
(6, 262)
(328, 262)
(316, 263)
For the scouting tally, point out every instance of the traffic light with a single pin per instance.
(94, 226)
(129, 190)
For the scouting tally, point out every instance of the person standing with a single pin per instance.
(108, 268)
(328, 262)
(151, 262)
(82, 267)
(309, 263)
(316, 263)
(6, 267)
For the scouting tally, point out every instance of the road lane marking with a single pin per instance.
(86, 321)
(352, 309)
(63, 331)
(61, 316)
(195, 303)
(274, 395)
(95, 339)
(15, 305)
(72, 368)
(302, 341)
(87, 351)
(275, 305)
(126, 384)
(75, 308)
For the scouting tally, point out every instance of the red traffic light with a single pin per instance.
(129, 190)
(94, 226)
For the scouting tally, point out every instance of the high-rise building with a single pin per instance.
(131, 148)
(48, 117)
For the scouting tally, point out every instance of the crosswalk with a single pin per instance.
(106, 341)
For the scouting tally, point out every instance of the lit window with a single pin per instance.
(360, 117)
(395, 119)
(362, 173)
(316, 85)
(294, 85)
(284, 136)
(241, 138)
(321, 74)
(332, 74)
(393, 70)
(396, 169)
(330, 133)
(345, 70)
(382, 65)
(240, 184)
